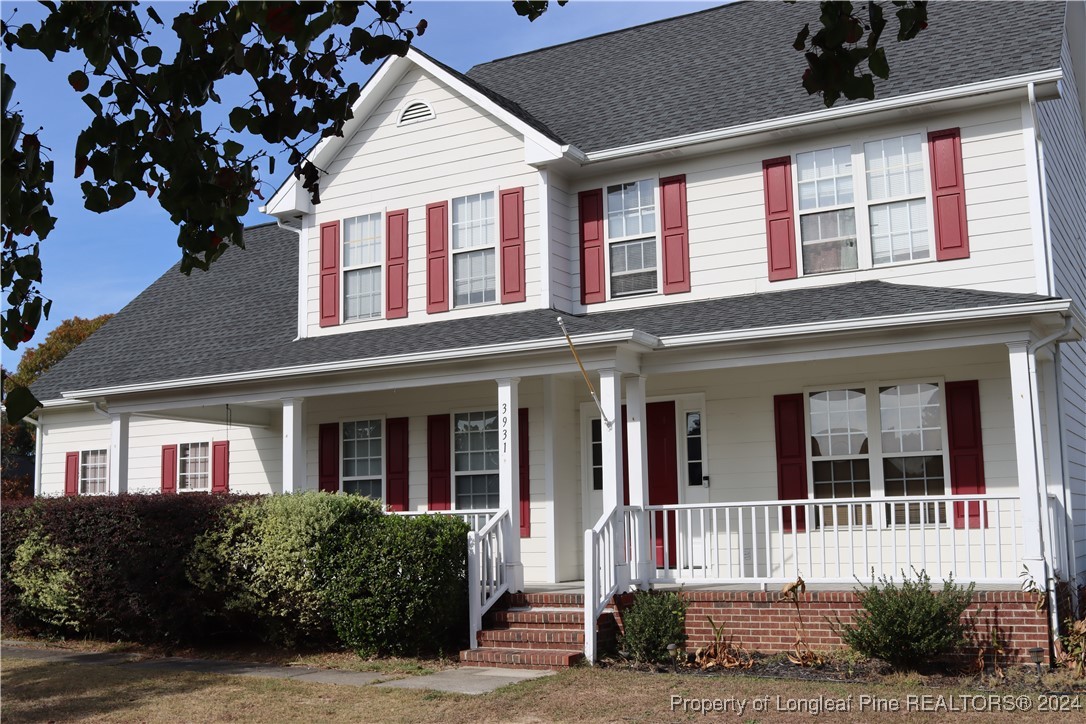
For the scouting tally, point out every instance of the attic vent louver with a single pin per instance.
(416, 111)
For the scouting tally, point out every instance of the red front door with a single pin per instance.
(663, 473)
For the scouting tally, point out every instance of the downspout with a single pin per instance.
(1038, 464)
(38, 443)
(1045, 225)
(302, 281)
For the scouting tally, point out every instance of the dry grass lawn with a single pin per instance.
(34, 691)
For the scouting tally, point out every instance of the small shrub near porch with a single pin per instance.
(908, 625)
(655, 620)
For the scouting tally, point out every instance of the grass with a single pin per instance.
(36, 691)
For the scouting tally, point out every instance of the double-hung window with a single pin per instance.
(362, 247)
(474, 238)
(194, 466)
(904, 458)
(631, 237)
(475, 460)
(882, 196)
(363, 458)
(93, 472)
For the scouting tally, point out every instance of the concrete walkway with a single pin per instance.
(466, 680)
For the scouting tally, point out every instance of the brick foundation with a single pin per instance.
(767, 622)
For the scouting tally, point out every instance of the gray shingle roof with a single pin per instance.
(240, 317)
(735, 64)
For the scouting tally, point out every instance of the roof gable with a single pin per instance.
(735, 64)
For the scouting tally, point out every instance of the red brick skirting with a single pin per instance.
(769, 623)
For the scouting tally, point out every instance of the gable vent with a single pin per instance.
(415, 112)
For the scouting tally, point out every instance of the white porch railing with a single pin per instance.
(975, 538)
(476, 517)
(601, 567)
(487, 579)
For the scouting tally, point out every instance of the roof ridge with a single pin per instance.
(725, 4)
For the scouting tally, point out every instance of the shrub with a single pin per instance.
(264, 562)
(107, 566)
(910, 624)
(655, 620)
(399, 585)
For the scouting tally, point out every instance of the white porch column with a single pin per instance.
(509, 476)
(637, 457)
(294, 459)
(1023, 388)
(118, 452)
(611, 402)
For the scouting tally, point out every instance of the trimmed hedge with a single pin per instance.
(309, 568)
(110, 567)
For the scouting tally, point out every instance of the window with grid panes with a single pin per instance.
(194, 466)
(475, 460)
(362, 252)
(631, 237)
(363, 472)
(93, 472)
(474, 235)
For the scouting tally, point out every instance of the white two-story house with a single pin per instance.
(815, 342)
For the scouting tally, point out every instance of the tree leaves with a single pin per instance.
(835, 55)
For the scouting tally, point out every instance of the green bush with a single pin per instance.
(655, 620)
(111, 567)
(399, 585)
(264, 563)
(908, 625)
(48, 591)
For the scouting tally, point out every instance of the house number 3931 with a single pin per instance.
(505, 428)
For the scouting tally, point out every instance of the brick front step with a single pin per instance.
(533, 638)
(535, 618)
(520, 658)
(549, 600)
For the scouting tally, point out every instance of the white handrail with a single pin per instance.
(601, 580)
(487, 579)
(475, 517)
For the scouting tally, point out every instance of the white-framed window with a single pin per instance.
(596, 450)
(630, 213)
(695, 448)
(194, 466)
(362, 458)
(363, 246)
(475, 460)
(863, 204)
(474, 249)
(880, 439)
(93, 472)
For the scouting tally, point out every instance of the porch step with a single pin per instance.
(532, 638)
(547, 618)
(521, 658)
(547, 600)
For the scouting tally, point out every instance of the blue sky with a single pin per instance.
(97, 263)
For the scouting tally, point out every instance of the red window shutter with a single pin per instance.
(966, 449)
(396, 463)
(791, 455)
(439, 461)
(169, 469)
(71, 473)
(329, 290)
(780, 223)
(437, 252)
(220, 466)
(396, 264)
(328, 457)
(676, 238)
(525, 475)
(511, 208)
(593, 280)
(948, 192)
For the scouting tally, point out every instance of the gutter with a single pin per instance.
(623, 336)
(963, 91)
(632, 336)
(1046, 228)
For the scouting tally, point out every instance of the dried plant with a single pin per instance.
(722, 652)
